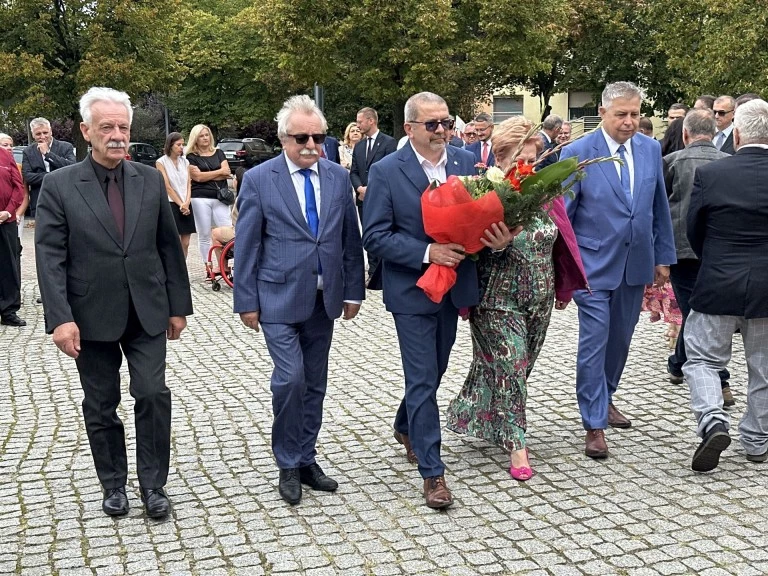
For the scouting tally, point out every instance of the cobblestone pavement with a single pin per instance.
(640, 512)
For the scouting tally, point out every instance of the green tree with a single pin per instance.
(52, 51)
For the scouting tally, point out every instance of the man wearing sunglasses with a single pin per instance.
(299, 267)
(724, 108)
(394, 231)
(469, 135)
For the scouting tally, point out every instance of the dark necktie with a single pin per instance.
(116, 203)
(311, 208)
(625, 182)
(369, 145)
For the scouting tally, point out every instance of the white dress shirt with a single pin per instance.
(298, 184)
(613, 148)
(725, 133)
(435, 173)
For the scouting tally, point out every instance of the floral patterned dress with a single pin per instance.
(508, 329)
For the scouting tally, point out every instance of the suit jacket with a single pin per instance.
(33, 168)
(277, 255)
(618, 239)
(393, 230)
(727, 231)
(727, 146)
(383, 146)
(87, 275)
(457, 142)
(331, 149)
(679, 169)
(547, 146)
(477, 150)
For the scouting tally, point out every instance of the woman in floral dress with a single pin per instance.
(519, 286)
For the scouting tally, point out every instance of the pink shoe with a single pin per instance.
(521, 474)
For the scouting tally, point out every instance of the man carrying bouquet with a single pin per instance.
(393, 230)
(621, 219)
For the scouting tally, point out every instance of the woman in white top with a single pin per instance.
(352, 136)
(175, 170)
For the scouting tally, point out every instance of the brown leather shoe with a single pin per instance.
(436, 492)
(405, 441)
(595, 444)
(616, 419)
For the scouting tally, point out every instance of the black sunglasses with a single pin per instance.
(722, 112)
(304, 138)
(431, 125)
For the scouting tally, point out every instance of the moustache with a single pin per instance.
(115, 144)
(308, 152)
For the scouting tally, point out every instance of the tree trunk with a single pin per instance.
(81, 146)
(398, 118)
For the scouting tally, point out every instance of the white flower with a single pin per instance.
(495, 174)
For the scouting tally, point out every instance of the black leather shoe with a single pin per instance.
(115, 502)
(313, 476)
(156, 502)
(12, 320)
(290, 485)
(707, 455)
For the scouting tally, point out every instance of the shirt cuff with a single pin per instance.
(426, 255)
(358, 302)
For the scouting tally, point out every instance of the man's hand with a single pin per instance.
(361, 192)
(67, 339)
(498, 236)
(175, 325)
(350, 310)
(250, 319)
(43, 147)
(446, 254)
(561, 304)
(661, 276)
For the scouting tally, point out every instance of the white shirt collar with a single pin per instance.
(373, 136)
(613, 146)
(442, 162)
(727, 131)
(763, 146)
(293, 168)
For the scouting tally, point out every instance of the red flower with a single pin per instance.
(520, 173)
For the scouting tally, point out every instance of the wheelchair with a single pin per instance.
(226, 265)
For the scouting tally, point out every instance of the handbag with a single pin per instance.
(224, 194)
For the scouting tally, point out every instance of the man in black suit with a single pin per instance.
(724, 108)
(727, 231)
(550, 129)
(374, 146)
(42, 157)
(482, 147)
(113, 281)
(331, 149)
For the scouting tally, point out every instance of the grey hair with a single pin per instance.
(101, 94)
(552, 122)
(300, 103)
(413, 103)
(730, 99)
(625, 90)
(752, 122)
(36, 122)
(700, 122)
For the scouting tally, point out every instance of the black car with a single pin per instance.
(236, 151)
(144, 153)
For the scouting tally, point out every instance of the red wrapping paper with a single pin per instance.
(450, 214)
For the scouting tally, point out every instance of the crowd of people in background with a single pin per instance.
(676, 227)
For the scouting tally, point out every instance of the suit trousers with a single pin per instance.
(683, 276)
(607, 320)
(10, 276)
(709, 340)
(99, 367)
(425, 347)
(299, 381)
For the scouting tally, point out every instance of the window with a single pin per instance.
(506, 106)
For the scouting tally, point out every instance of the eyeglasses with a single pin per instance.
(431, 125)
(470, 133)
(722, 112)
(304, 138)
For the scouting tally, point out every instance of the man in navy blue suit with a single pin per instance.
(394, 231)
(482, 148)
(550, 129)
(621, 219)
(331, 149)
(299, 266)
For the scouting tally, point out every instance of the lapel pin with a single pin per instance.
(455, 163)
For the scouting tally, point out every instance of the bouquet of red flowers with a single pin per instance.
(464, 207)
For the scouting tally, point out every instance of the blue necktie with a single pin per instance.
(311, 209)
(311, 205)
(625, 185)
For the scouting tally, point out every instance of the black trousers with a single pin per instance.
(10, 275)
(99, 368)
(683, 276)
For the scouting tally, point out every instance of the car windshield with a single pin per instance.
(230, 146)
